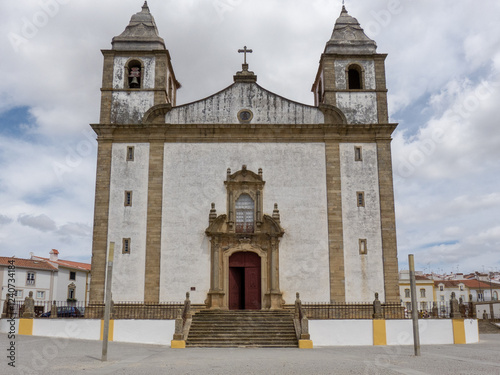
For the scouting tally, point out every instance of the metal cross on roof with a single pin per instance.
(245, 51)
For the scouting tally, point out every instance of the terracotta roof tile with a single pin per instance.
(68, 263)
(28, 263)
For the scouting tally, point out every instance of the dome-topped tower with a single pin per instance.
(349, 37)
(140, 34)
(351, 77)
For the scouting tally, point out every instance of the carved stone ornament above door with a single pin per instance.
(245, 228)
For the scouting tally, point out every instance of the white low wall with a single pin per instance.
(85, 329)
(323, 332)
(138, 331)
(400, 332)
(158, 332)
(397, 332)
(471, 331)
(341, 332)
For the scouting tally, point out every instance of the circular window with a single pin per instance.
(245, 115)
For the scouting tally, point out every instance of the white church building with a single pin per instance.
(244, 197)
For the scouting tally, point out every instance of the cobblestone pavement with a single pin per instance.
(43, 355)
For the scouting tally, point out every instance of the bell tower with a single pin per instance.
(362, 229)
(138, 73)
(351, 74)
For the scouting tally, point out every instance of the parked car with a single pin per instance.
(65, 312)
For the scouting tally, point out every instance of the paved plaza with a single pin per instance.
(43, 355)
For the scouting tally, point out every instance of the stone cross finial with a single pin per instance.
(245, 51)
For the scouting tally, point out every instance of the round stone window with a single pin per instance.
(245, 115)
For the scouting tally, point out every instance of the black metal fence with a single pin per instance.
(136, 310)
(352, 310)
(43, 309)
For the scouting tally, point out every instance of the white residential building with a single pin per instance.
(48, 278)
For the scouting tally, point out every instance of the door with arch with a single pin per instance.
(244, 281)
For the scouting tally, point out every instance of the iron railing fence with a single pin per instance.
(351, 310)
(43, 309)
(119, 310)
(136, 310)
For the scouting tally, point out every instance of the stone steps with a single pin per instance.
(485, 326)
(242, 328)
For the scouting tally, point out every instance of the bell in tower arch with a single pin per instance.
(134, 77)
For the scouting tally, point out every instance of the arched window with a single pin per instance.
(354, 76)
(134, 74)
(72, 291)
(244, 214)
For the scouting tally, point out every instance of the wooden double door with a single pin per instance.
(244, 281)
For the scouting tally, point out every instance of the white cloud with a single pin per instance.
(41, 222)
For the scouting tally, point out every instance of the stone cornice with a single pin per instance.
(229, 133)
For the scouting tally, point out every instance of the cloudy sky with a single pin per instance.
(443, 74)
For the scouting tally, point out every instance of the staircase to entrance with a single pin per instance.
(242, 328)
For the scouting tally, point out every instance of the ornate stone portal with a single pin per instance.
(244, 229)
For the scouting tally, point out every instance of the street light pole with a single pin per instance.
(414, 308)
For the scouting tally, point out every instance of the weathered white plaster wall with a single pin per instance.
(159, 332)
(295, 179)
(128, 107)
(368, 77)
(358, 107)
(62, 281)
(120, 74)
(363, 273)
(341, 332)
(128, 222)
(223, 108)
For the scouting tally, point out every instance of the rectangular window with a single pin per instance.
(30, 278)
(422, 293)
(360, 198)
(128, 198)
(126, 246)
(130, 153)
(442, 298)
(407, 293)
(40, 294)
(362, 246)
(71, 293)
(358, 155)
(441, 288)
(423, 306)
(461, 287)
(72, 275)
(18, 293)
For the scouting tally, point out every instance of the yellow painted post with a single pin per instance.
(379, 332)
(178, 344)
(458, 331)
(111, 330)
(25, 327)
(305, 344)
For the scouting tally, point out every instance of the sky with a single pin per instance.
(443, 77)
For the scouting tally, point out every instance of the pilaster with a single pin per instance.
(388, 221)
(153, 230)
(335, 234)
(101, 214)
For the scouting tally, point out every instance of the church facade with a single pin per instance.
(245, 197)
